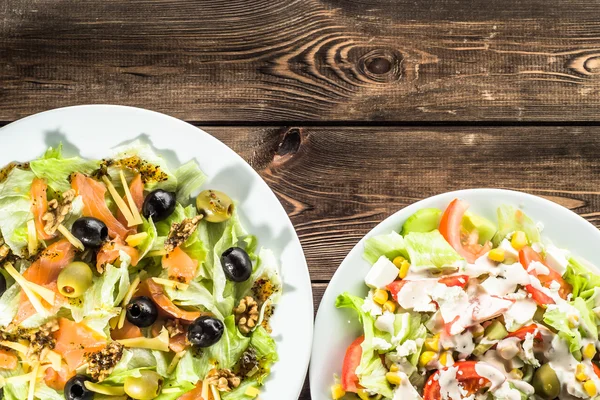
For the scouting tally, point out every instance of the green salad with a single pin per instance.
(461, 307)
(123, 278)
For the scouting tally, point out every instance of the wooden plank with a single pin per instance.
(312, 60)
(338, 183)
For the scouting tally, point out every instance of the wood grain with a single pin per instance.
(338, 183)
(309, 60)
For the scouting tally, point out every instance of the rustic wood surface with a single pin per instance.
(349, 109)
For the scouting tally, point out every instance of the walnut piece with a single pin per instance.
(101, 363)
(4, 251)
(41, 337)
(223, 379)
(57, 211)
(174, 327)
(180, 232)
(246, 314)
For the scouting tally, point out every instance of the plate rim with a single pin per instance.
(304, 359)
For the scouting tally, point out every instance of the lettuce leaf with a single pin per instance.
(15, 208)
(9, 304)
(429, 249)
(390, 245)
(580, 277)
(189, 179)
(44, 392)
(14, 391)
(182, 386)
(239, 393)
(148, 227)
(511, 219)
(559, 321)
(197, 295)
(135, 360)
(266, 352)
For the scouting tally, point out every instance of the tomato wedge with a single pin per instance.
(450, 228)
(466, 376)
(349, 379)
(526, 256)
(522, 332)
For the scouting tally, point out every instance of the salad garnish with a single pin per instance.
(121, 278)
(460, 307)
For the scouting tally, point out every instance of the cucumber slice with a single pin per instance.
(424, 220)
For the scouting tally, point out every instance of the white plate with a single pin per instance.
(94, 130)
(336, 329)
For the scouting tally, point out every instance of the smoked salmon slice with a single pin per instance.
(39, 206)
(109, 252)
(156, 293)
(8, 360)
(94, 205)
(181, 267)
(58, 379)
(74, 340)
(128, 331)
(44, 271)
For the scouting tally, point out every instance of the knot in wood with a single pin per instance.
(586, 64)
(381, 65)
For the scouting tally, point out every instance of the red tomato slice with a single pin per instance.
(349, 379)
(395, 288)
(522, 332)
(526, 256)
(596, 370)
(455, 280)
(450, 228)
(466, 376)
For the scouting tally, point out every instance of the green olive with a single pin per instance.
(145, 387)
(546, 383)
(214, 205)
(75, 279)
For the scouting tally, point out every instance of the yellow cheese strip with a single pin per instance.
(215, 392)
(105, 389)
(69, 236)
(19, 379)
(32, 382)
(134, 210)
(137, 239)
(32, 241)
(204, 394)
(172, 284)
(53, 357)
(175, 361)
(160, 343)
(127, 299)
(252, 391)
(29, 287)
(21, 348)
(120, 203)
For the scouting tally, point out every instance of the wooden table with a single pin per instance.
(349, 109)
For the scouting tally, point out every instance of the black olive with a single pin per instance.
(141, 311)
(75, 389)
(90, 231)
(159, 204)
(205, 331)
(236, 264)
(2, 285)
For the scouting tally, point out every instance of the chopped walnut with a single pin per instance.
(246, 314)
(57, 211)
(4, 251)
(180, 232)
(174, 327)
(40, 338)
(101, 363)
(223, 379)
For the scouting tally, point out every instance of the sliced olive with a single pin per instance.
(75, 279)
(205, 331)
(159, 204)
(2, 284)
(141, 311)
(90, 231)
(75, 389)
(216, 206)
(145, 387)
(546, 383)
(236, 264)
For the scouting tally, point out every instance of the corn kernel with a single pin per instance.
(398, 261)
(589, 351)
(389, 306)
(253, 392)
(518, 240)
(580, 373)
(446, 359)
(362, 394)
(433, 343)
(517, 373)
(380, 296)
(427, 357)
(590, 388)
(394, 368)
(393, 378)
(573, 321)
(496, 255)
(337, 392)
(404, 269)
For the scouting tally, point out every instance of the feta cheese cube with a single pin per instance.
(510, 253)
(385, 323)
(380, 344)
(381, 274)
(557, 259)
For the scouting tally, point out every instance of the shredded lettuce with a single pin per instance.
(510, 220)
(9, 304)
(559, 320)
(148, 243)
(196, 295)
(390, 245)
(14, 391)
(266, 352)
(44, 392)
(430, 249)
(189, 179)
(134, 361)
(56, 170)
(15, 208)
